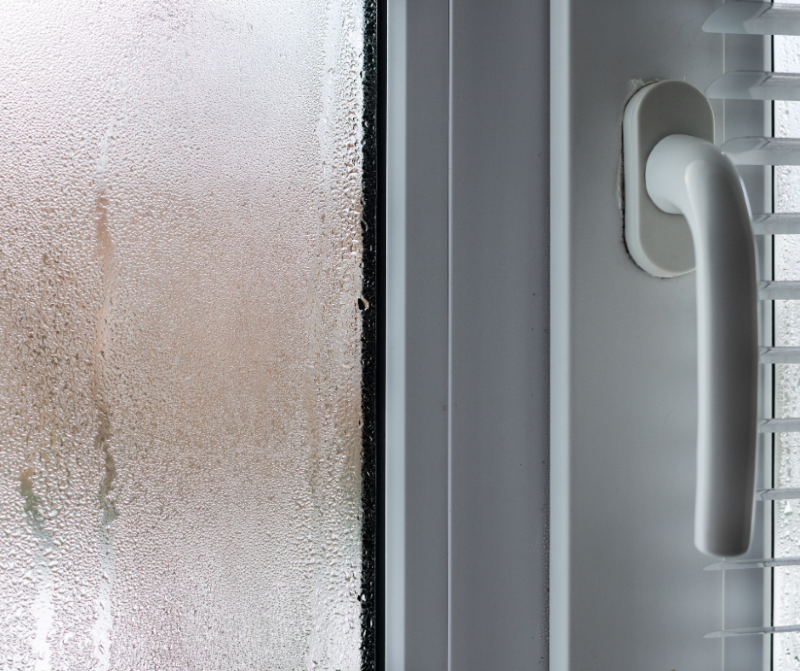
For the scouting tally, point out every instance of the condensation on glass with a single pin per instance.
(182, 301)
(786, 581)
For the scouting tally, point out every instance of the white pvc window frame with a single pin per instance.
(466, 395)
(628, 588)
(466, 335)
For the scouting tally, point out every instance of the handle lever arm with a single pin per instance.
(689, 176)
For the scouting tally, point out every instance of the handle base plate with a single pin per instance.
(660, 243)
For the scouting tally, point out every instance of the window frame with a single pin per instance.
(466, 424)
(628, 588)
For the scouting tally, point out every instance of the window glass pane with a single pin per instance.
(185, 299)
(786, 586)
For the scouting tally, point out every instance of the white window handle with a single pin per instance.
(689, 176)
(671, 168)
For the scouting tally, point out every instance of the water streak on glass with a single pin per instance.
(181, 322)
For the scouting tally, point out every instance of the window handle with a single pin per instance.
(671, 168)
(689, 176)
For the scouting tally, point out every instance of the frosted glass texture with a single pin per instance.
(181, 268)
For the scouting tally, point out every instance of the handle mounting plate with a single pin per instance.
(659, 243)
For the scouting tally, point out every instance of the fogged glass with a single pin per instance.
(786, 586)
(181, 263)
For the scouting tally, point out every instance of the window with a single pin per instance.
(187, 286)
(466, 331)
(152, 364)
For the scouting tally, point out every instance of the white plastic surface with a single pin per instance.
(787, 223)
(691, 176)
(754, 631)
(763, 151)
(754, 18)
(779, 291)
(779, 494)
(466, 248)
(781, 425)
(771, 355)
(740, 564)
(755, 85)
